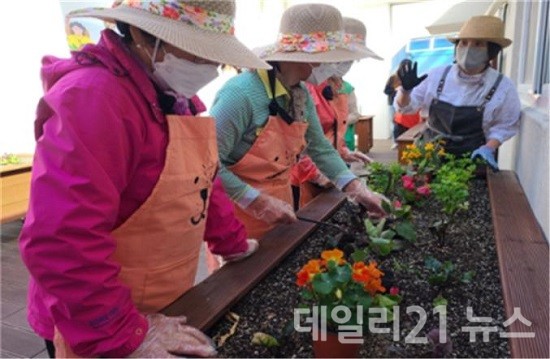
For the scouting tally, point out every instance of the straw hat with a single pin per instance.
(356, 35)
(310, 33)
(202, 27)
(486, 28)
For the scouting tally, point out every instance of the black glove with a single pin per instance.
(409, 78)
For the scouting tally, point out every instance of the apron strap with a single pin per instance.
(491, 92)
(274, 107)
(442, 81)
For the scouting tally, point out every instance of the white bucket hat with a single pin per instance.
(201, 27)
(486, 28)
(355, 35)
(310, 33)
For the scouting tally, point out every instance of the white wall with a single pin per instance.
(27, 34)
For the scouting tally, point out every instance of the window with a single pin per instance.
(533, 72)
(419, 44)
(442, 43)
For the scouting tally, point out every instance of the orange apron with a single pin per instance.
(266, 166)
(336, 109)
(340, 105)
(158, 246)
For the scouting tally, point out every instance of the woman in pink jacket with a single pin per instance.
(122, 179)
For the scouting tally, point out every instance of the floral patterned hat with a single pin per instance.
(311, 33)
(201, 27)
(356, 37)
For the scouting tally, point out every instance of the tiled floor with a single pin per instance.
(16, 338)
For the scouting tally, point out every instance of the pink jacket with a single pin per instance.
(101, 139)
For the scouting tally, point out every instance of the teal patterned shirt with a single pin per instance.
(241, 109)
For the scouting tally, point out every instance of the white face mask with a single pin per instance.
(183, 77)
(342, 68)
(321, 73)
(471, 58)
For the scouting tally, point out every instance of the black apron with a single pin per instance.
(459, 126)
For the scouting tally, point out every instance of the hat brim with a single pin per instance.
(214, 46)
(370, 53)
(502, 41)
(337, 55)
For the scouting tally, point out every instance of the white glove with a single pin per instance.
(271, 210)
(360, 194)
(322, 180)
(169, 337)
(356, 156)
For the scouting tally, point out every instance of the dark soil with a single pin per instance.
(469, 244)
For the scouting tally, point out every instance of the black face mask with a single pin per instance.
(327, 93)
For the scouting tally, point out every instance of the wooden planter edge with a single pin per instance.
(208, 301)
(522, 252)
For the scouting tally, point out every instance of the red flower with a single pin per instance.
(394, 291)
(170, 13)
(408, 182)
(397, 204)
(424, 190)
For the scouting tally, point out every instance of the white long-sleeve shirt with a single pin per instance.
(501, 114)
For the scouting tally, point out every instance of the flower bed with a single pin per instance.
(469, 244)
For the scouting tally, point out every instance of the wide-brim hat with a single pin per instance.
(486, 28)
(310, 33)
(201, 27)
(355, 34)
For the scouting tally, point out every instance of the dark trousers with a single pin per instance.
(50, 348)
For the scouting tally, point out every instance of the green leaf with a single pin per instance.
(359, 255)
(306, 294)
(440, 300)
(467, 277)
(386, 207)
(432, 264)
(322, 285)
(387, 234)
(343, 274)
(406, 230)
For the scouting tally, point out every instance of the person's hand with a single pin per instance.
(271, 210)
(487, 154)
(409, 78)
(169, 337)
(356, 156)
(360, 194)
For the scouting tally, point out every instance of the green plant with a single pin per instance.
(380, 239)
(441, 273)
(332, 281)
(399, 216)
(9, 159)
(384, 178)
(450, 188)
(424, 157)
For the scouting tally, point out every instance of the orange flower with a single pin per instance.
(333, 255)
(374, 285)
(308, 271)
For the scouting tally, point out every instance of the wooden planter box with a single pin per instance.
(521, 247)
(15, 183)
(363, 130)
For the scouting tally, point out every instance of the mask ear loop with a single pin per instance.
(155, 50)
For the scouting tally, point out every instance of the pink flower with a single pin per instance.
(394, 291)
(424, 190)
(397, 204)
(408, 182)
